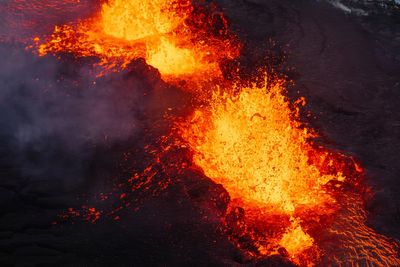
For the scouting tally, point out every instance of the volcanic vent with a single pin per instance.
(217, 133)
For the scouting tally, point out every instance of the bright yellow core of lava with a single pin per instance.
(153, 21)
(129, 29)
(252, 144)
(134, 20)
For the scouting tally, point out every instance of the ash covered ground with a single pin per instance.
(61, 147)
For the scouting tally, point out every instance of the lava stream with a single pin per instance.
(288, 195)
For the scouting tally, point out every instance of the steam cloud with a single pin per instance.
(53, 113)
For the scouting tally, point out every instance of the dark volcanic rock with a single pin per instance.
(346, 65)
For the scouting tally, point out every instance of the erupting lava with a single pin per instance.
(288, 195)
(250, 140)
(170, 34)
(252, 144)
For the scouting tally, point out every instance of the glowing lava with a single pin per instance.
(135, 20)
(250, 144)
(250, 140)
(167, 33)
(299, 200)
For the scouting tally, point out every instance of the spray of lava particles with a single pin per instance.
(171, 35)
(251, 145)
(288, 195)
(294, 194)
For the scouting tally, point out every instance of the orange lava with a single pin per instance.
(250, 144)
(169, 34)
(288, 196)
(250, 140)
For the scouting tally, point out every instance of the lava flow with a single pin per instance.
(172, 35)
(289, 196)
(252, 144)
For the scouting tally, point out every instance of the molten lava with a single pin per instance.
(135, 20)
(250, 144)
(169, 34)
(250, 140)
(288, 195)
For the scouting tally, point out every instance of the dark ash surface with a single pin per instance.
(346, 65)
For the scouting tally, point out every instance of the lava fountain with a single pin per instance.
(290, 191)
(172, 35)
(289, 196)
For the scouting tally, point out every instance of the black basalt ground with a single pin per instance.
(347, 66)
